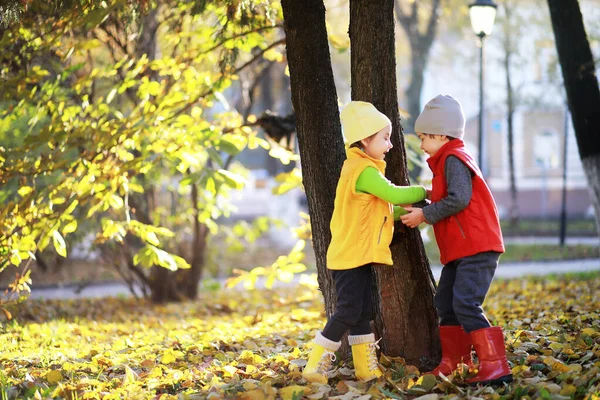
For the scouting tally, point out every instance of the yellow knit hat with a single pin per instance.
(361, 120)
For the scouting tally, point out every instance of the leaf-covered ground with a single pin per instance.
(252, 345)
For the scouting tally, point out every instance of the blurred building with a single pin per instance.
(539, 125)
(539, 142)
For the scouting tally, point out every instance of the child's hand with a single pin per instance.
(414, 217)
(428, 194)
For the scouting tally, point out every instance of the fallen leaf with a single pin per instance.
(54, 376)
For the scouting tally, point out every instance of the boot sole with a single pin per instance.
(497, 381)
(368, 378)
(314, 377)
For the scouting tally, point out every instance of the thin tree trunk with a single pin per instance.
(420, 46)
(510, 105)
(173, 285)
(406, 316)
(413, 91)
(581, 83)
(320, 142)
(189, 279)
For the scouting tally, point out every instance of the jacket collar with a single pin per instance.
(356, 153)
(434, 160)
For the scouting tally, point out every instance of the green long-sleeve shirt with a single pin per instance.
(373, 182)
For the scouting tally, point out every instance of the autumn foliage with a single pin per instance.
(243, 344)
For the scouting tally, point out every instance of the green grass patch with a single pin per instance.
(531, 252)
(568, 276)
(533, 227)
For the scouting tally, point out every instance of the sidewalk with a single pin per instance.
(569, 241)
(515, 270)
(505, 270)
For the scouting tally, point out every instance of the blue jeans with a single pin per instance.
(461, 291)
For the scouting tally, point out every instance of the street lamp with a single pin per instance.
(483, 13)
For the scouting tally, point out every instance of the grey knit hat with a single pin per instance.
(442, 115)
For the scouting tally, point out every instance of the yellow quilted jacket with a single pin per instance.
(362, 224)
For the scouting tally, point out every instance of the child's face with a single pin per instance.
(430, 144)
(377, 145)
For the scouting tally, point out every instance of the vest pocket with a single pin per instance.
(381, 229)
(459, 227)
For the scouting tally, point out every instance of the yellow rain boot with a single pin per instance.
(320, 360)
(364, 354)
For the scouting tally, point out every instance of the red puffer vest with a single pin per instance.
(476, 229)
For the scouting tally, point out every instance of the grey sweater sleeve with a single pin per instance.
(460, 188)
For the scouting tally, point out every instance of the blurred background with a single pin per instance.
(107, 91)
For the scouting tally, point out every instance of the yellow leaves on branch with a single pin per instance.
(283, 269)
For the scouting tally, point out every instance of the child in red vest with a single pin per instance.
(467, 229)
(361, 226)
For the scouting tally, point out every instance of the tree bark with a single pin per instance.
(406, 316)
(581, 83)
(320, 142)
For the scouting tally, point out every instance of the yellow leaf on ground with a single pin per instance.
(518, 369)
(575, 367)
(589, 331)
(229, 370)
(167, 358)
(568, 390)
(560, 367)
(427, 382)
(555, 364)
(54, 376)
(250, 369)
(556, 346)
(294, 391)
(255, 394)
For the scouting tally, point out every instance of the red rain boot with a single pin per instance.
(456, 349)
(493, 367)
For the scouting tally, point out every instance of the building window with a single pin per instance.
(546, 150)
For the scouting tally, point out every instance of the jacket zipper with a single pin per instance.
(460, 227)
(381, 230)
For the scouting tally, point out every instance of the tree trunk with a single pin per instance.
(168, 285)
(581, 83)
(413, 91)
(510, 105)
(406, 316)
(189, 279)
(420, 46)
(320, 141)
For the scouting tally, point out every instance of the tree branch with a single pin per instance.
(402, 18)
(234, 72)
(114, 39)
(432, 24)
(221, 43)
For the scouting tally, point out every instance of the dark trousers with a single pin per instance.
(354, 310)
(463, 286)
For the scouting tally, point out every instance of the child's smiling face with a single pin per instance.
(430, 144)
(377, 145)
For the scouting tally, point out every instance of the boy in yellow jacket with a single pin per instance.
(361, 232)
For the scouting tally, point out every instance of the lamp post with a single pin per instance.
(483, 14)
